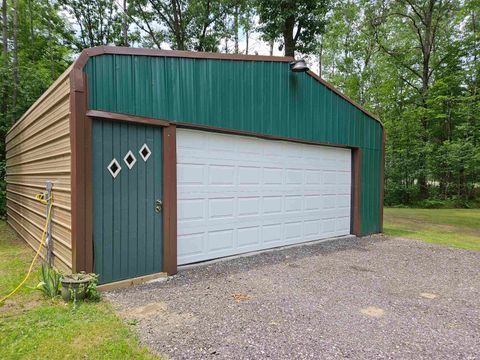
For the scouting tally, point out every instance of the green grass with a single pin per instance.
(33, 327)
(458, 228)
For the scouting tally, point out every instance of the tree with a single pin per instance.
(298, 23)
(100, 22)
(415, 34)
(347, 49)
(185, 25)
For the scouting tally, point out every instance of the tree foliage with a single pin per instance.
(297, 23)
(415, 63)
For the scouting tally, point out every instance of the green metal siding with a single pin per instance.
(127, 232)
(256, 96)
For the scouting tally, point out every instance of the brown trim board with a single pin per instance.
(80, 133)
(170, 199)
(356, 227)
(87, 147)
(125, 117)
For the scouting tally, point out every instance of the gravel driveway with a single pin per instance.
(374, 297)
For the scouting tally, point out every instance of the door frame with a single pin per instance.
(169, 167)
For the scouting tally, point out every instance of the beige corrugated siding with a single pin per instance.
(38, 149)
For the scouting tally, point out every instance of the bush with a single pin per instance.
(432, 204)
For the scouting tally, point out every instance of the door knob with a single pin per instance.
(158, 205)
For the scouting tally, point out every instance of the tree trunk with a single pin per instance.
(15, 61)
(288, 38)
(5, 28)
(125, 24)
(320, 55)
(30, 15)
(4, 89)
(235, 29)
(50, 44)
(177, 25)
(271, 43)
(246, 41)
(427, 46)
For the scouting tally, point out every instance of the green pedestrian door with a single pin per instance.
(127, 194)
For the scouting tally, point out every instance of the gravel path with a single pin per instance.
(374, 297)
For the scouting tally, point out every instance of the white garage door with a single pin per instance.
(238, 194)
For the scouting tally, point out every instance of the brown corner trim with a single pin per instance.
(356, 188)
(88, 168)
(80, 133)
(170, 200)
(382, 180)
(125, 117)
(257, 135)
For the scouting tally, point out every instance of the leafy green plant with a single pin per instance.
(91, 291)
(50, 281)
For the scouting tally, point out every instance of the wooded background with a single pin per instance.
(414, 63)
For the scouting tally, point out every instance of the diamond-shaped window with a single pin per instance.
(114, 168)
(130, 159)
(145, 152)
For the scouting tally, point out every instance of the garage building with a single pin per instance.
(165, 158)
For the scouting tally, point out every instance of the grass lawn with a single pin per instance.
(32, 327)
(451, 227)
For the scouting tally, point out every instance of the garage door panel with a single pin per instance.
(249, 206)
(190, 245)
(190, 174)
(248, 236)
(238, 194)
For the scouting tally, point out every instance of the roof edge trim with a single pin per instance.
(119, 50)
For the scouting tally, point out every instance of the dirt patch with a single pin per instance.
(15, 305)
(159, 312)
(145, 310)
(373, 311)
